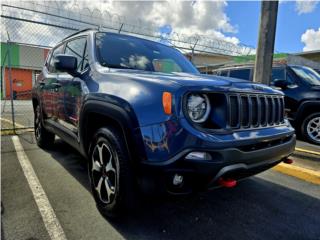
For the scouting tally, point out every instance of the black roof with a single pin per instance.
(101, 31)
(244, 65)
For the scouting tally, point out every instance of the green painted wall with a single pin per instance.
(15, 52)
(251, 58)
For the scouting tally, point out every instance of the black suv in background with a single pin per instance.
(301, 86)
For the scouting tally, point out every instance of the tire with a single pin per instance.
(310, 128)
(44, 138)
(110, 173)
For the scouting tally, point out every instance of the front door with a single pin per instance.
(290, 92)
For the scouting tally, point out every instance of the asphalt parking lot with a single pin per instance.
(23, 113)
(270, 205)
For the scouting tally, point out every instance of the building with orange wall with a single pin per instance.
(26, 63)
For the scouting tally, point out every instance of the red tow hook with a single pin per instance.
(228, 182)
(288, 161)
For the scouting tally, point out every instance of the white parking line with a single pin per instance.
(50, 219)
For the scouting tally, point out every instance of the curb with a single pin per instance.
(307, 151)
(303, 155)
(313, 155)
(7, 132)
(299, 172)
(17, 131)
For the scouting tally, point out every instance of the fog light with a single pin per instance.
(198, 156)
(177, 180)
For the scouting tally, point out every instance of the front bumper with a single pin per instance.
(234, 162)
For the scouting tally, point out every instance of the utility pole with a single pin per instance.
(267, 32)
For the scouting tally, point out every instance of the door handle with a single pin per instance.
(56, 85)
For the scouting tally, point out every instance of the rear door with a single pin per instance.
(48, 82)
(73, 88)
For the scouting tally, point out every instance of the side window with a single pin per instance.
(240, 73)
(278, 73)
(55, 51)
(290, 78)
(77, 48)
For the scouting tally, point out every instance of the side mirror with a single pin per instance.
(280, 83)
(66, 63)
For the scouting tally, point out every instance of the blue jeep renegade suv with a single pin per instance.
(145, 118)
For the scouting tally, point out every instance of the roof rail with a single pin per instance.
(238, 64)
(83, 30)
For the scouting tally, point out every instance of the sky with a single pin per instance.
(294, 20)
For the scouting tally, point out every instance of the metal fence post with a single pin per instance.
(10, 83)
(3, 85)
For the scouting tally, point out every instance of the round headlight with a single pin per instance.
(198, 107)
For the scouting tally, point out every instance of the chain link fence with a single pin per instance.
(20, 66)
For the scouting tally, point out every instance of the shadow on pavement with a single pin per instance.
(256, 209)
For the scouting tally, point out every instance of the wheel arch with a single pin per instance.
(307, 108)
(35, 102)
(96, 114)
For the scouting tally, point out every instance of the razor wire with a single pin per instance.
(45, 23)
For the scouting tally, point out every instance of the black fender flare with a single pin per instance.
(306, 104)
(123, 115)
(36, 97)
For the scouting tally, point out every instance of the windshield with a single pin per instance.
(122, 51)
(307, 74)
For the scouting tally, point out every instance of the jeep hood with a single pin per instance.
(197, 80)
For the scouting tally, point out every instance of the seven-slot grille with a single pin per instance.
(247, 111)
